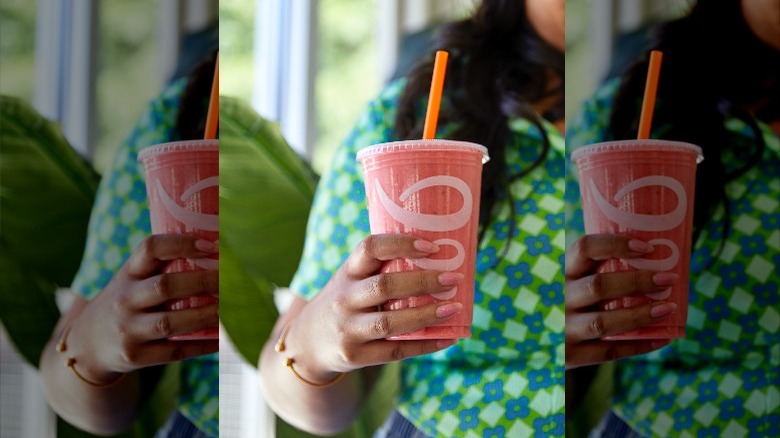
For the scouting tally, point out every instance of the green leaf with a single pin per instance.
(246, 303)
(46, 193)
(27, 308)
(46, 196)
(266, 192)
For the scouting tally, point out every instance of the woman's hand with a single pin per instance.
(586, 324)
(126, 326)
(341, 329)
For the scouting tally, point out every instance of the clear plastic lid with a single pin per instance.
(178, 146)
(637, 145)
(423, 145)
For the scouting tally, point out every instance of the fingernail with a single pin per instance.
(450, 278)
(206, 246)
(444, 343)
(665, 278)
(655, 345)
(663, 309)
(448, 310)
(425, 246)
(639, 246)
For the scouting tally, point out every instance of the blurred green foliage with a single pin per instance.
(236, 37)
(236, 24)
(128, 71)
(40, 168)
(261, 231)
(347, 71)
(17, 48)
(128, 75)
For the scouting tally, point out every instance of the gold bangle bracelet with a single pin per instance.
(280, 347)
(62, 347)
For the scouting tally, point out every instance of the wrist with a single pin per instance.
(78, 362)
(303, 366)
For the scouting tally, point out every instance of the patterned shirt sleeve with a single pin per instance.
(120, 214)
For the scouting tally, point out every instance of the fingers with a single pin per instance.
(374, 250)
(378, 289)
(161, 325)
(588, 251)
(593, 325)
(382, 352)
(380, 325)
(595, 352)
(155, 251)
(159, 289)
(594, 288)
(163, 352)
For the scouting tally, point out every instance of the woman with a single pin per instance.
(504, 89)
(105, 355)
(723, 377)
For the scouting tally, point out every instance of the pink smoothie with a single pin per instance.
(645, 189)
(429, 189)
(182, 184)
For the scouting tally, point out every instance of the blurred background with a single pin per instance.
(313, 65)
(603, 37)
(92, 66)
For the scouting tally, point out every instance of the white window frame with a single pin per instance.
(284, 54)
(65, 68)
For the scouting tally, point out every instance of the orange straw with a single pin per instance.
(212, 117)
(651, 86)
(434, 100)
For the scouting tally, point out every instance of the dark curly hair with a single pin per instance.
(193, 106)
(499, 66)
(714, 67)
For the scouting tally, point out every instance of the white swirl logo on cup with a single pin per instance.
(200, 221)
(648, 222)
(433, 222)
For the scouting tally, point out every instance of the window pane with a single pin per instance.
(236, 29)
(348, 67)
(347, 74)
(128, 75)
